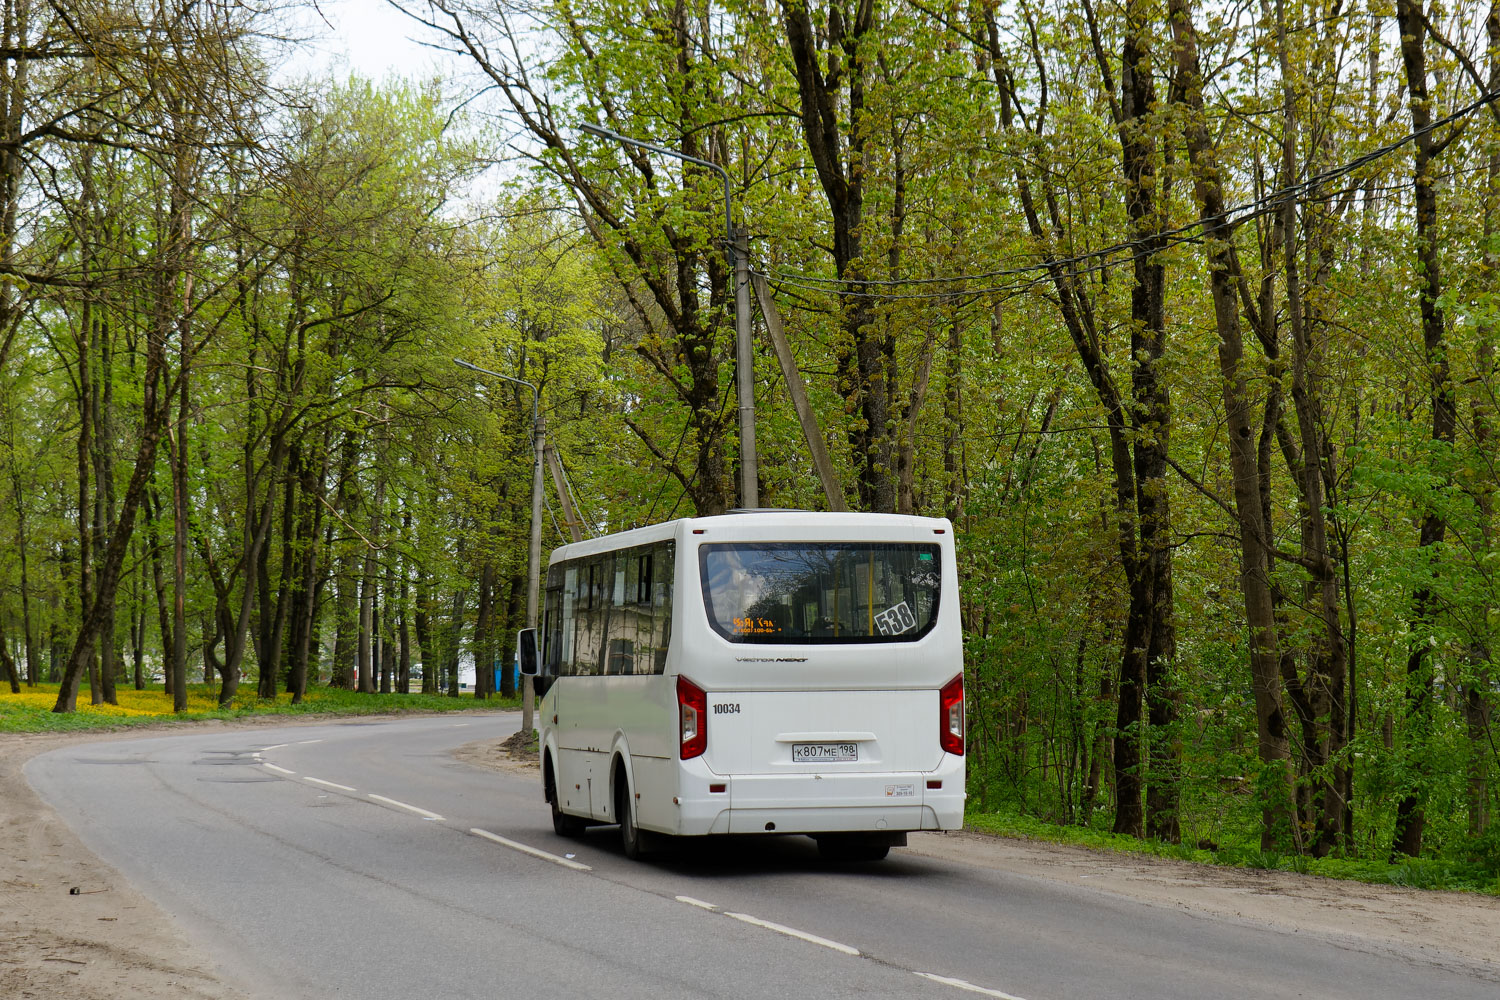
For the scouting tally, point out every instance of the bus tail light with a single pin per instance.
(950, 715)
(692, 714)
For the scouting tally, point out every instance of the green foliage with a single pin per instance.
(1436, 873)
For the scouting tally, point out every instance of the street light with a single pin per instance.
(534, 566)
(738, 249)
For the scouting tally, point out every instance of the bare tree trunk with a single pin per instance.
(401, 570)
(33, 656)
(514, 609)
(158, 578)
(424, 634)
(403, 637)
(1275, 785)
(1150, 407)
(1411, 810)
(102, 404)
(484, 629)
(138, 621)
(866, 371)
(7, 664)
(67, 695)
(364, 676)
(455, 640)
(179, 265)
(107, 581)
(310, 581)
(1478, 685)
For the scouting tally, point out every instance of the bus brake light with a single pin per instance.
(692, 710)
(950, 716)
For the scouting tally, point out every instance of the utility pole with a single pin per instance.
(744, 366)
(738, 249)
(570, 516)
(534, 559)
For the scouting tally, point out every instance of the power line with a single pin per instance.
(1164, 240)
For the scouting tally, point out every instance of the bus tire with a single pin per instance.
(562, 824)
(636, 842)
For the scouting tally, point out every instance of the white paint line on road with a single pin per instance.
(303, 743)
(329, 784)
(793, 932)
(527, 849)
(410, 808)
(960, 984)
(281, 770)
(700, 904)
(276, 746)
(459, 725)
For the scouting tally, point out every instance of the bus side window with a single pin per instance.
(586, 610)
(600, 616)
(640, 611)
(643, 578)
(552, 630)
(620, 658)
(661, 605)
(567, 624)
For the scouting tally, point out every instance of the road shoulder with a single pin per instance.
(107, 941)
(1448, 929)
(1445, 928)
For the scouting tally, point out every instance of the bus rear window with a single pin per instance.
(808, 592)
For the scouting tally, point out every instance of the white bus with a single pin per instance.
(762, 671)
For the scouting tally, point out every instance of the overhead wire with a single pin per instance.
(1157, 242)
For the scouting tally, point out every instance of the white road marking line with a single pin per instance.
(689, 900)
(303, 743)
(402, 805)
(960, 984)
(459, 725)
(276, 746)
(328, 784)
(793, 932)
(533, 851)
(281, 770)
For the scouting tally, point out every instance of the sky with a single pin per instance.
(369, 37)
(373, 39)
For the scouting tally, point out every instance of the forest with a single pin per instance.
(1184, 311)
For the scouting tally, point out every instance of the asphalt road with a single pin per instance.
(361, 860)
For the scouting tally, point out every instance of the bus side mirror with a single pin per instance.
(526, 648)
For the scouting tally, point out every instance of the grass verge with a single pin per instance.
(1417, 873)
(31, 710)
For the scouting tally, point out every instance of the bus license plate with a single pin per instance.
(811, 752)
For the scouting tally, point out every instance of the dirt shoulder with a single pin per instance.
(1459, 930)
(109, 942)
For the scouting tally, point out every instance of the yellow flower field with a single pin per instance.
(31, 709)
(132, 703)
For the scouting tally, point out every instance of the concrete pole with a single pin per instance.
(534, 563)
(745, 372)
(570, 516)
(805, 414)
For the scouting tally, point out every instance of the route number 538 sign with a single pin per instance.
(895, 620)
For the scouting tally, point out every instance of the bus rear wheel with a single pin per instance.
(562, 824)
(635, 841)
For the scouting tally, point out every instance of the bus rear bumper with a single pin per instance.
(887, 801)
